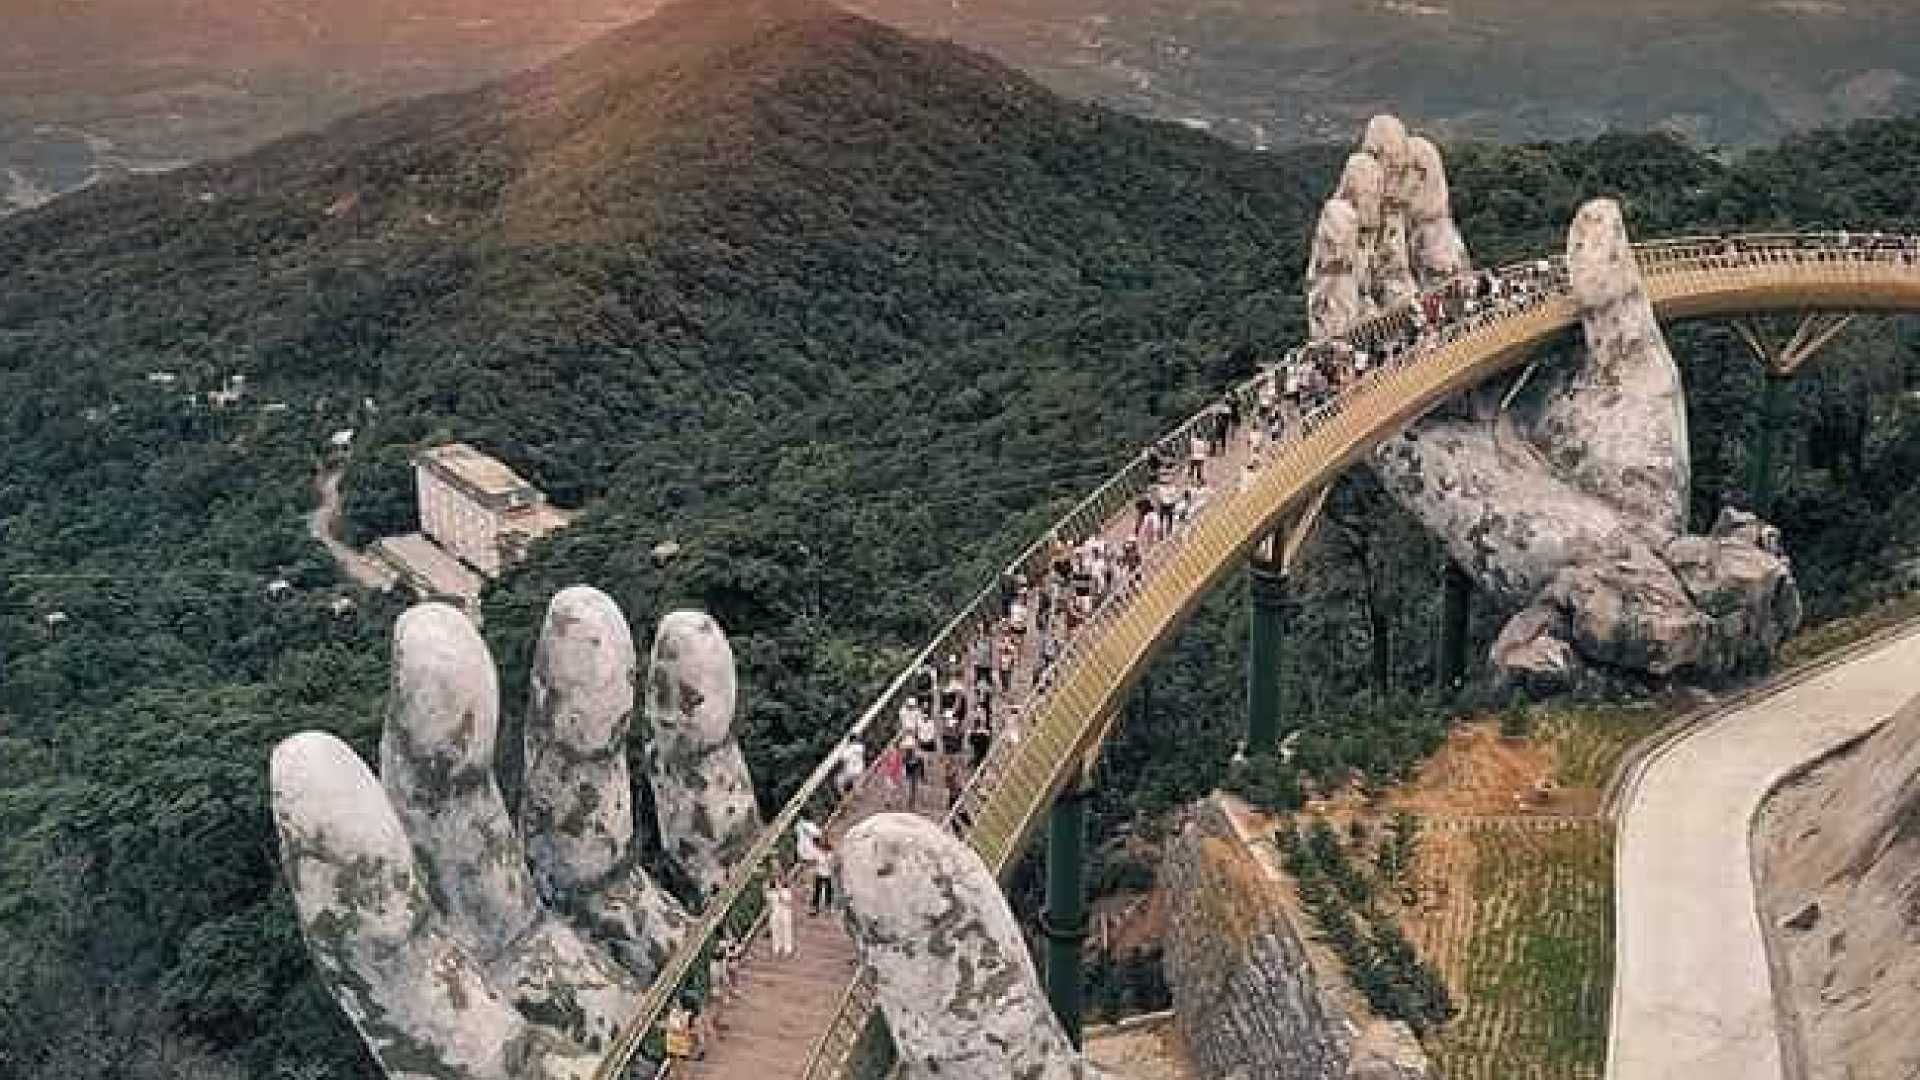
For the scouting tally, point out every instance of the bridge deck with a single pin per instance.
(1691, 278)
(767, 1029)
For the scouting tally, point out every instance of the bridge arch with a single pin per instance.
(1685, 279)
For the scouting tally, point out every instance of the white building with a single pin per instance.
(479, 510)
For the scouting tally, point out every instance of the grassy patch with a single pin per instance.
(1532, 962)
(1842, 632)
(1588, 741)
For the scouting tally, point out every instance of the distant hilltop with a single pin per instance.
(99, 90)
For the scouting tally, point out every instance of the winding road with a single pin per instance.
(1693, 997)
(323, 524)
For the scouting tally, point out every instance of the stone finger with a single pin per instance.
(1618, 425)
(1438, 254)
(959, 990)
(1392, 272)
(576, 813)
(419, 1000)
(701, 789)
(1335, 296)
(436, 764)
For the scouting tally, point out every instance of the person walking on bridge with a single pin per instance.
(780, 913)
(1197, 448)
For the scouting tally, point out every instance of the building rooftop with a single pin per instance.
(480, 473)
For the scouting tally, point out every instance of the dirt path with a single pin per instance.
(323, 524)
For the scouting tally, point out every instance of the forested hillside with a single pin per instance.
(844, 314)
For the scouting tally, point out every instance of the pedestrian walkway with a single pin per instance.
(1693, 277)
(780, 1006)
(1693, 997)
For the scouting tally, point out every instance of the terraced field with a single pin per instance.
(1519, 917)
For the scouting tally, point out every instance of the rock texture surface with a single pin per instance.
(1247, 996)
(1838, 858)
(461, 944)
(956, 984)
(701, 790)
(1567, 505)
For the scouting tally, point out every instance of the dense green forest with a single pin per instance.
(846, 315)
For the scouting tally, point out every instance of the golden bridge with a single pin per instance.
(1824, 278)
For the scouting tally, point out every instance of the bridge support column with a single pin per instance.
(1774, 394)
(1065, 920)
(1813, 333)
(1456, 611)
(1267, 588)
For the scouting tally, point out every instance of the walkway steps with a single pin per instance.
(780, 1006)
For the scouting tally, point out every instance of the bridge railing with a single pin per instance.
(737, 908)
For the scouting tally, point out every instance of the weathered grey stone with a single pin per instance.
(1386, 142)
(1245, 995)
(1569, 506)
(958, 989)
(1837, 861)
(1388, 1050)
(577, 809)
(1334, 300)
(1618, 427)
(701, 790)
(420, 1001)
(1438, 253)
(430, 915)
(436, 765)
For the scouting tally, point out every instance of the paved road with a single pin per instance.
(1692, 996)
(323, 524)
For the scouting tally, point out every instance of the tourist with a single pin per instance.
(925, 732)
(822, 898)
(979, 740)
(679, 1039)
(1009, 659)
(806, 840)
(891, 770)
(1142, 510)
(983, 656)
(1197, 457)
(780, 914)
(913, 764)
(1168, 498)
(719, 973)
(849, 763)
(1017, 617)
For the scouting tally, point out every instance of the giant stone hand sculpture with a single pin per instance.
(954, 980)
(1567, 505)
(460, 945)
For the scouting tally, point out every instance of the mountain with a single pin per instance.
(95, 90)
(1725, 72)
(844, 313)
(847, 315)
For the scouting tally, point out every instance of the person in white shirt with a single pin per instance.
(925, 732)
(850, 763)
(780, 915)
(1197, 458)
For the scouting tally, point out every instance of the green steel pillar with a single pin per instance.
(1266, 637)
(1456, 609)
(1760, 469)
(1065, 920)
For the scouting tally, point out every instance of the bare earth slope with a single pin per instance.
(1837, 854)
